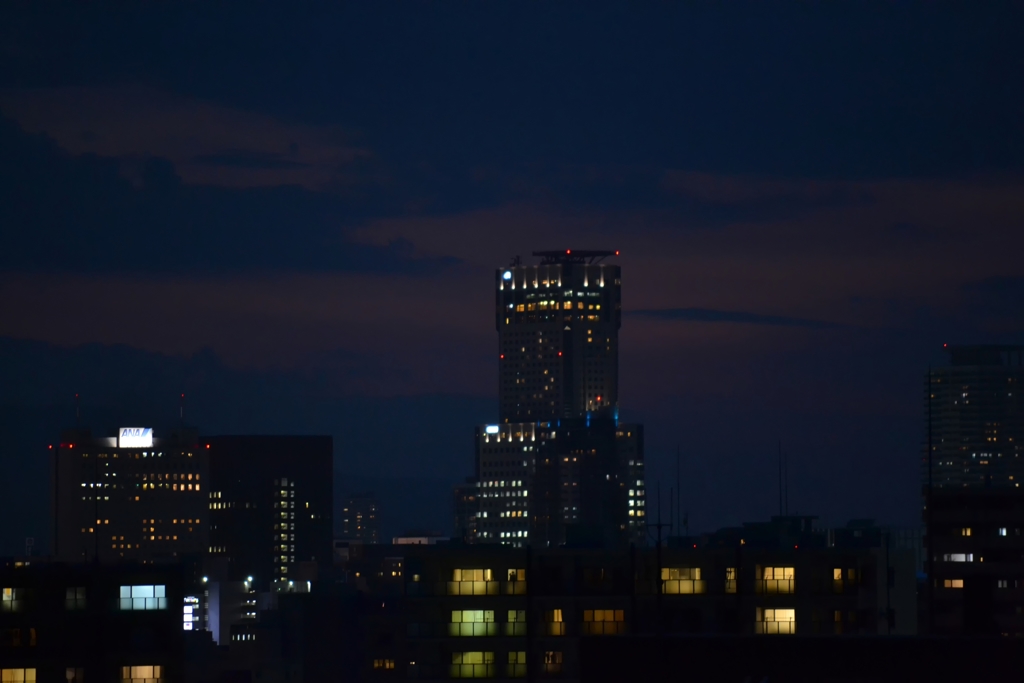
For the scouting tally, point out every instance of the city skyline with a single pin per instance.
(809, 202)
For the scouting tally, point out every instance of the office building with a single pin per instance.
(131, 496)
(558, 336)
(270, 506)
(557, 466)
(974, 505)
(62, 623)
(976, 409)
(502, 612)
(359, 518)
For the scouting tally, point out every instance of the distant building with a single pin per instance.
(419, 538)
(467, 510)
(558, 467)
(977, 419)
(131, 496)
(271, 503)
(360, 518)
(558, 336)
(974, 504)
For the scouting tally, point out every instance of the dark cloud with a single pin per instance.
(248, 159)
(104, 215)
(704, 315)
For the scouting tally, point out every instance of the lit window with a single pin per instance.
(13, 600)
(143, 598)
(604, 621)
(958, 557)
(515, 625)
(18, 675)
(966, 531)
(552, 662)
(1002, 531)
(953, 583)
(730, 579)
(516, 584)
(472, 665)
(516, 664)
(472, 582)
(553, 623)
(472, 622)
(681, 581)
(383, 664)
(775, 621)
(75, 598)
(141, 674)
(776, 579)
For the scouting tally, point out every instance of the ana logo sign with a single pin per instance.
(135, 437)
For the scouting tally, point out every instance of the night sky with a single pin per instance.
(293, 216)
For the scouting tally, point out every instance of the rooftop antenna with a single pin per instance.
(780, 478)
(679, 503)
(78, 411)
(785, 475)
(181, 409)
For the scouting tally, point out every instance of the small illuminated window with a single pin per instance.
(472, 622)
(730, 579)
(553, 623)
(966, 531)
(18, 675)
(75, 598)
(472, 665)
(384, 664)
(472, 582)
(953, 583)
(604, 621)
(775, 621)
(515, 623)
(141, 674)
(516, 664)
(776, 579)
(143, 598)
(681, 581)
(552, 662)
(13, 600)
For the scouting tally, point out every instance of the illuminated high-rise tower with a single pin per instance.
(559, 467)
(558, 337)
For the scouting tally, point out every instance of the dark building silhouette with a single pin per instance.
(976, 405)
(63, 623)
(467, 509)
(130, 496)
(558, 467)
(360, 518)
(799, 659)
(974, 505)
(271, 502)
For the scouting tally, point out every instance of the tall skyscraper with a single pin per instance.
(558, 336)
(974, 503)
(558, 467)
(977, 418)
(360, 519)
(129, 496)
(467, 509)
(271, 502)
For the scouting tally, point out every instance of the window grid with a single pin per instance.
(681, 581)
(604, 622)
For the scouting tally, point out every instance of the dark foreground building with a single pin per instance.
(271, 504)
(83, 623)
(800, 660)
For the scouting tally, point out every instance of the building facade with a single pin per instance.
(270, 505)
(976, 410)
(973, 502)
(360, 519)
(131, 496)
(558, 336)
(557, 466)
(62, 623)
